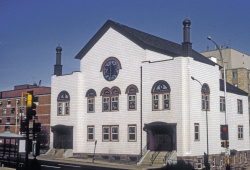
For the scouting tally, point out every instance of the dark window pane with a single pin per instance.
(131, 136)
(131, 129)
(105, 106)
(91, 107)
(115, 136)
(166, 104)
(132, 105)
(91, 136)
(196, 136)
(105, 130)
(155, 104)
(114, 105)
(106, 136)
(114, 130)
(91, 130)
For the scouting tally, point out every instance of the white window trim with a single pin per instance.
(135, 99)
(197, 124)
(240, 133)
(156, 98)
(110, 133)
(93, 127)
(108, 102)
(63, 108)
(115, 101)
(132, 140)
(245, 157)
(207, 98)
(89, 103)
(199, 163)
(163, 101)
(222, 102)
(239, 106)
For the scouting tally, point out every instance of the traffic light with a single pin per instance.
(36, 127)
(206, 161)
(224, 132)
(31, 106)
(23, 127)
(225, 144)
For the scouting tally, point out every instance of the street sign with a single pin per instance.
(227, 152)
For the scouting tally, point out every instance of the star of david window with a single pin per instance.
(110, 68)
(63, 101)
(161, 95)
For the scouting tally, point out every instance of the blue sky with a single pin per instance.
(31, 30)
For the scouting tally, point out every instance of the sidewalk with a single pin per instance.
(97, 162)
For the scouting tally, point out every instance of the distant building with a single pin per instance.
(134, 96)
(237, 65)
(13, 107)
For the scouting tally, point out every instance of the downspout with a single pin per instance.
(141, 111)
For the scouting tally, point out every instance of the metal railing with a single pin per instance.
(156, 153)
(167, 156)
(142, 153)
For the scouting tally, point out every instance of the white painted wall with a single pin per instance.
(185, 98)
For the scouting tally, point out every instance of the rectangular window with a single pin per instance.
(114, 133)
(110, 133)
(106, 104)
(91, 102)
(91, 133)
(196, 132)
(199, 163)
(8, 120)
(13, 111)
(1, 103)
(131, 133)
(7, 128)
(4, 111)
(245, 157)
(114, 103)
(240, 159)
(166, 101)
(131, 102)
(214, 162)
(59, 109)
(155, 102)
(8, 103)
(240, 110)
(17, 102)
(105, 132)
(66, 108)
(235, 74)
(221, 163)
(240, 132)
(222, 104)
(205, 102)
(0, 120)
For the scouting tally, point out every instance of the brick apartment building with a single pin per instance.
(13, 107)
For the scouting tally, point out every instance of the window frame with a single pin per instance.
(63, 99)
(8, 102)
(131, 92)
(134, 99)
(135, 133)
(205, 97)
(240, 158)
(1, 103)
(199, 163)
(222, 104)
(110, 133)
(240, 132)
(239, 106)
(159, 89)
(90, 94)
(109, 95)
(4, 112)
(7, 120)
(245, 157)
(196, 132)
(89, 133)
(234, 74)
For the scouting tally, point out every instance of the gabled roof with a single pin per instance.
(232, 89)
(144, 40)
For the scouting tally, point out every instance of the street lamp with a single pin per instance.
(207, 166)
(224, 78)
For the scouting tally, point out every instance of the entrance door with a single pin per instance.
(164, 141)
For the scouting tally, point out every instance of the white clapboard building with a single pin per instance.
(134, 97)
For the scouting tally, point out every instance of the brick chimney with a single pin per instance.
(58, 66)
(186, 45)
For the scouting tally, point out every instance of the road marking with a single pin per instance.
(70, 165)
(51, 166)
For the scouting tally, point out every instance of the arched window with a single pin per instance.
(161, 95)
(205, 92)
(91, 94)
(110, 99)
(63, 101)
(131, 91)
